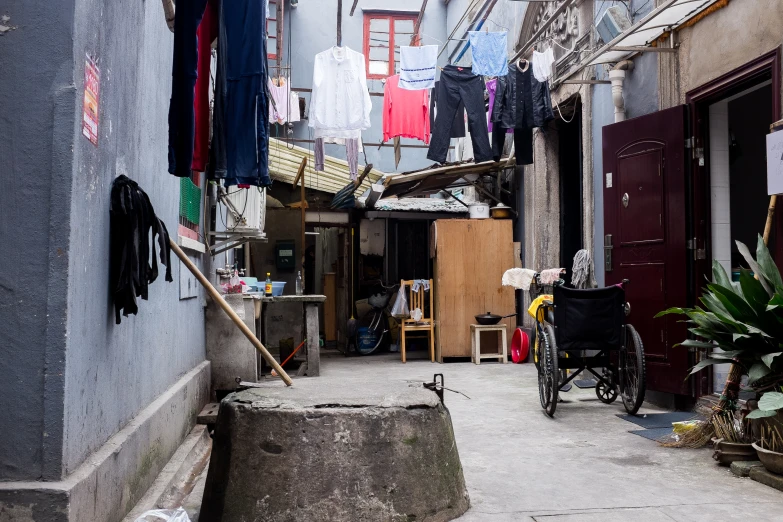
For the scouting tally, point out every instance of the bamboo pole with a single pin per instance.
(230, 312)
(770, 213)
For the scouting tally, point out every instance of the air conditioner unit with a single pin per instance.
(246, 210)
(612, 23)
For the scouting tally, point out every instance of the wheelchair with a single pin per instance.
(586, 330)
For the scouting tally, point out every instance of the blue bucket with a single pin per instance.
(366, 339)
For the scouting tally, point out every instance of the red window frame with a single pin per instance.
(391, 18)
(271, 50)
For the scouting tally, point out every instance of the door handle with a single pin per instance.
(626, 198)
(608, 252)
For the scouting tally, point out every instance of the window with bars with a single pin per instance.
(383, 36)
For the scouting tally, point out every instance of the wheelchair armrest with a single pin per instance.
(547, 302)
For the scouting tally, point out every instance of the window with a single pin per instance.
(271, 29)
(383, 36)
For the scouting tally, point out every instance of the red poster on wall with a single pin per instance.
(92, 80)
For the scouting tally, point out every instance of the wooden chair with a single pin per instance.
(427, 322)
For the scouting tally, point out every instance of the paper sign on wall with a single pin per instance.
(775, 163)
(92, 81)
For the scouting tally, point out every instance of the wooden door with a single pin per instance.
(645, 234)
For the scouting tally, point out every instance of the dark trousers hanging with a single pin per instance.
(460, 84)
(184, 73)
(523, 144)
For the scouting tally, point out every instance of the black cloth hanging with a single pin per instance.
(132, 219)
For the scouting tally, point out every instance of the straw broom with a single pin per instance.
(704, 431)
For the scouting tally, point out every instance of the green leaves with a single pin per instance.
(769, 358)
(758, 371)
(768, 268)
(704, 363)
(760, 414)
(771, 401)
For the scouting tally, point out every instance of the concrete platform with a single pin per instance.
(324, 451)
(521, 466)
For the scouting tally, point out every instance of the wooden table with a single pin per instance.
(312, 366)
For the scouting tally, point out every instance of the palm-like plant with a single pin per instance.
(744, 319)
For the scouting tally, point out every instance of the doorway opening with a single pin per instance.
(569, 128)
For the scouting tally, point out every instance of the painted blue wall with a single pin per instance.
(69, 377)
(37, 108)
(641, 97)
(114, 371)
(312, 30)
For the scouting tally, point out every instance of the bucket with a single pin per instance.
(478, 211)
(520, 346)
(366, 339)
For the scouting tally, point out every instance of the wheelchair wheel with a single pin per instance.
(606, 394)
(548, 374)
(633, 375)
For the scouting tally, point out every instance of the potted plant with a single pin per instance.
(769, 445)
(744, 319)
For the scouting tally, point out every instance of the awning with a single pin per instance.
(432, 181)
(666, 17)
(418, 205)
(284, 161)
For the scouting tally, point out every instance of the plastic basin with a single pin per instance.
(520, 346)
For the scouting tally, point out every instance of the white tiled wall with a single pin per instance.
(719, 184)
(720, 205)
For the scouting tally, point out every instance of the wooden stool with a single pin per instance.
(475, 342)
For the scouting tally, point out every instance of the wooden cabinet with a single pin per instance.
(470, 258)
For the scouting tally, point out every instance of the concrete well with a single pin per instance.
(312, 453)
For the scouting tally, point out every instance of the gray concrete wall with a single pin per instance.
(37, 107)
(114, 371)
(641, 97)
(312, 26)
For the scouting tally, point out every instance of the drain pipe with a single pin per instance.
(617, 77)
(168, 10)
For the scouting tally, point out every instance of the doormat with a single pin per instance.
(585, 383)
(655, 434)
(659, 420)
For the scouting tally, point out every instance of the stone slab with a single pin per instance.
(330, 453)
(773, 480)
(742, 468)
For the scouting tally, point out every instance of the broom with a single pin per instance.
(704, 431)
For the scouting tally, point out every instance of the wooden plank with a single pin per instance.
(330, 306)
(209, 414)
(466, 286)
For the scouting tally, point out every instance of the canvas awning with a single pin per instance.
(284, 160)
(433, 180)
(670, 15)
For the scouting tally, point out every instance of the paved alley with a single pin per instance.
(581, 466)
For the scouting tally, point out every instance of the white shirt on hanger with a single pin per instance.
(340, 100)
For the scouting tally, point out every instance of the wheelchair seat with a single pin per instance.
(591, 319)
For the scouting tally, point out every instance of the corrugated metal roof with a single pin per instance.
(284, 160)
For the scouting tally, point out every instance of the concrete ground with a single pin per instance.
(581, 466)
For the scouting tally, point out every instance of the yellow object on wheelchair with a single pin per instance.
(535, 306)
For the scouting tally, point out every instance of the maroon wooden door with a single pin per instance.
(645, 234)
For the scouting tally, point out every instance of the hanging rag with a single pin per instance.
(419, 283)
(583, 265)
(542, 64)
(489, 53)
(550, 275)
(519, 278)
(417, 67)
(134, 226)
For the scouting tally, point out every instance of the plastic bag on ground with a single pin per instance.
(164, 515)
(400, 308)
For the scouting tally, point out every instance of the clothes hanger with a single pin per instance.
(526, 67)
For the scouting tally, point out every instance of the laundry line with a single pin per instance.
(304, 89)
(367, 145)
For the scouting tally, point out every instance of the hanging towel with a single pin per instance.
(519, 278)
(417, 67)
(583, 265)
(542, 64)
(550, 275)
(489, 53)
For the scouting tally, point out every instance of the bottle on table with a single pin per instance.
(268, 285)
(299, 283)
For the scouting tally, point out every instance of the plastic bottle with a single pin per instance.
(299, 285)
(268, 285)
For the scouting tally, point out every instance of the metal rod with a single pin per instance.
(339, 23)
(643, 49)
(585, 82)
